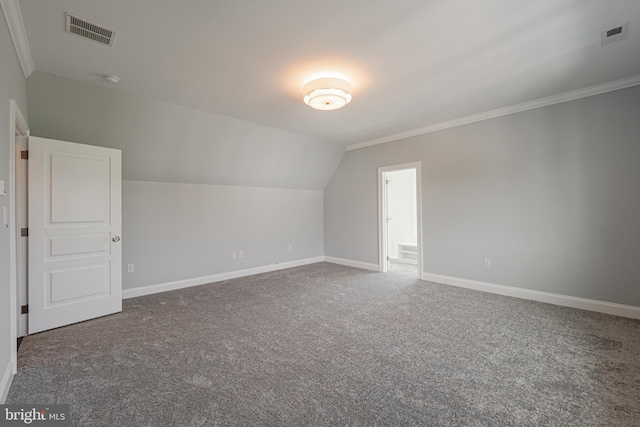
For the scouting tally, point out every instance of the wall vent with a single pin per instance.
(614, 34)
(90, 30)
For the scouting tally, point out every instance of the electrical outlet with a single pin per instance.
(130, 268)
(234, 255)
(240, 254)
(290, 247)
(487, 263)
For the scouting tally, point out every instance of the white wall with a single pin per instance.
(174, 232)
(12, 86)
(551, 195)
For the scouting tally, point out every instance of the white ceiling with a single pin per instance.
(413, 63)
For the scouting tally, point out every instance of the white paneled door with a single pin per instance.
(75, 251)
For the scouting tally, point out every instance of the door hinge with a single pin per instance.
(388, 258)
(24, 309)
(24, 232)
(24, 155)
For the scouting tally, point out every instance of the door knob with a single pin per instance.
(116, 238)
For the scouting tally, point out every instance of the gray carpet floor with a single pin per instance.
(330, 345)
(400, 267)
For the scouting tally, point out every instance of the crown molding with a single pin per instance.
(505, 111)
(12, 13)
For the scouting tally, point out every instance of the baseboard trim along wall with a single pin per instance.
(546, 297)
(7, 377)
(550, 298)
(197, 281)
(351, 263)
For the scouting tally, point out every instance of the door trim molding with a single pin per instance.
(17, 125)
(381, 211)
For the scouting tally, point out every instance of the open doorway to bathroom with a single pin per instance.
(400, 243)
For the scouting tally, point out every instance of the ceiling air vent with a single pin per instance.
(614, 34)
(90, 30)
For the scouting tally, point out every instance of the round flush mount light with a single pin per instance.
(328, 93)
(111, 78)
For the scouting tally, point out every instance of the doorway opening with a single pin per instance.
(399, 218)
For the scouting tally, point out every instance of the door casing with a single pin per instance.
(18, 126)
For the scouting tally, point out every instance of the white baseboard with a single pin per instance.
(7, 377)
(564, 300)
(547, 297)
(351, 263)
(196, 281)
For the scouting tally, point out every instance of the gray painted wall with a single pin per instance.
(182, 231)
(166, 142)
(551, 195)
(12, 86)
(197, 185)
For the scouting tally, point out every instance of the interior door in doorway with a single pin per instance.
(75, 255)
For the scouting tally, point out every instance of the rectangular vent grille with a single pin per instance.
(90, 30)
(614, 34)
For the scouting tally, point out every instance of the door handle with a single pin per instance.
(116, 239)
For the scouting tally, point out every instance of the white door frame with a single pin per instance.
(17, 125)
(382, 213)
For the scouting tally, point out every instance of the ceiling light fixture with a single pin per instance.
(111, 78)
(328, 93)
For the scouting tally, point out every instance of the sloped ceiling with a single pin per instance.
(412, 62)
(166, 142)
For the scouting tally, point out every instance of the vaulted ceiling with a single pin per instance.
(413, 63)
